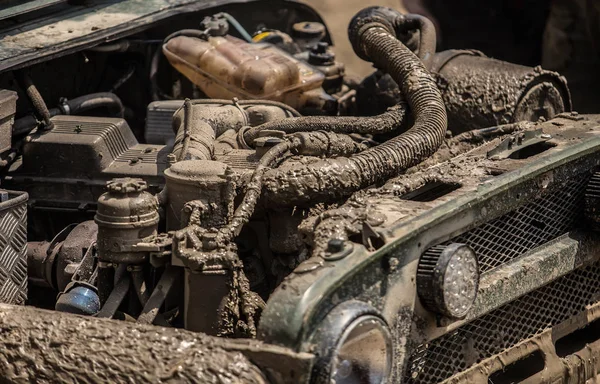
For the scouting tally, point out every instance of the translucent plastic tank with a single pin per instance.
(226, 67)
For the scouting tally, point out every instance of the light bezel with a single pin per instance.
(333, 331)
(431, 280)
(348, 331)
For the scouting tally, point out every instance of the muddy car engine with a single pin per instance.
(432, 222)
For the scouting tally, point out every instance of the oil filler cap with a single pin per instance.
(448, 279)
(126, 185)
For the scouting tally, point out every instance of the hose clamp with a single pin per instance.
(64, 106)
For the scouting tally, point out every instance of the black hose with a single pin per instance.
(39, 105)
(74, 106)
(372, 33)
(86, 103)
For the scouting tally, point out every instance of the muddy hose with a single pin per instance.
(388, 121)
(39, 105)
(427, 37)
(244, 211)
(196, 130)
(372, 33)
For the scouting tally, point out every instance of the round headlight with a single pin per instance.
(354, 346)
(448, 279)
(364, 354)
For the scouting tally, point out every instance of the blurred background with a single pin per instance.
(337, 14)
(560, 35)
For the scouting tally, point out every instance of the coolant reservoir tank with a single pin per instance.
(227, 67)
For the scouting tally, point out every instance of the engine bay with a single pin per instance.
(217, 171)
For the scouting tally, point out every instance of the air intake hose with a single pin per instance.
(372, 33)
(388, 121)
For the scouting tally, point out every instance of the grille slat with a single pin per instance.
(509, 236)
(558, 211)
(503, 328)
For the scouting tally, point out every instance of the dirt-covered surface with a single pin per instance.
(50, 347)
(337, 15)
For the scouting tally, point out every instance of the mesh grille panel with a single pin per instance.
(507, 237)
(505, 327)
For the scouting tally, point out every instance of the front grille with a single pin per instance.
(556, 212)
(504, 327)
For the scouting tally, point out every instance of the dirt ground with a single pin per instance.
(337, 15)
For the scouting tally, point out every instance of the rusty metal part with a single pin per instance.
(53, 263)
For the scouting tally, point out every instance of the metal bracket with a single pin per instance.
(515, 143)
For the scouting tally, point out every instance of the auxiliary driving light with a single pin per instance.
(448, 279)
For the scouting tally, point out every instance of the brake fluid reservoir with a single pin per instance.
(226, 67)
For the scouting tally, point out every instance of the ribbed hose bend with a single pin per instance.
(373, 38)
(386, 122)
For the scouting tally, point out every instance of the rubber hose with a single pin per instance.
(75, 106)
(388, 121)
(383, 123)
(244, 211)
(427, 39)
(39, 105)
(86, 103)
(372, 33)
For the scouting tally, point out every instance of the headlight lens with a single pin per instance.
(461, 281)
(364, 353)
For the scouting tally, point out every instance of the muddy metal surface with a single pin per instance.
(49, 346)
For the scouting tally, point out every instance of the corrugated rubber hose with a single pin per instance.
(372, 33)
(389, 121)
